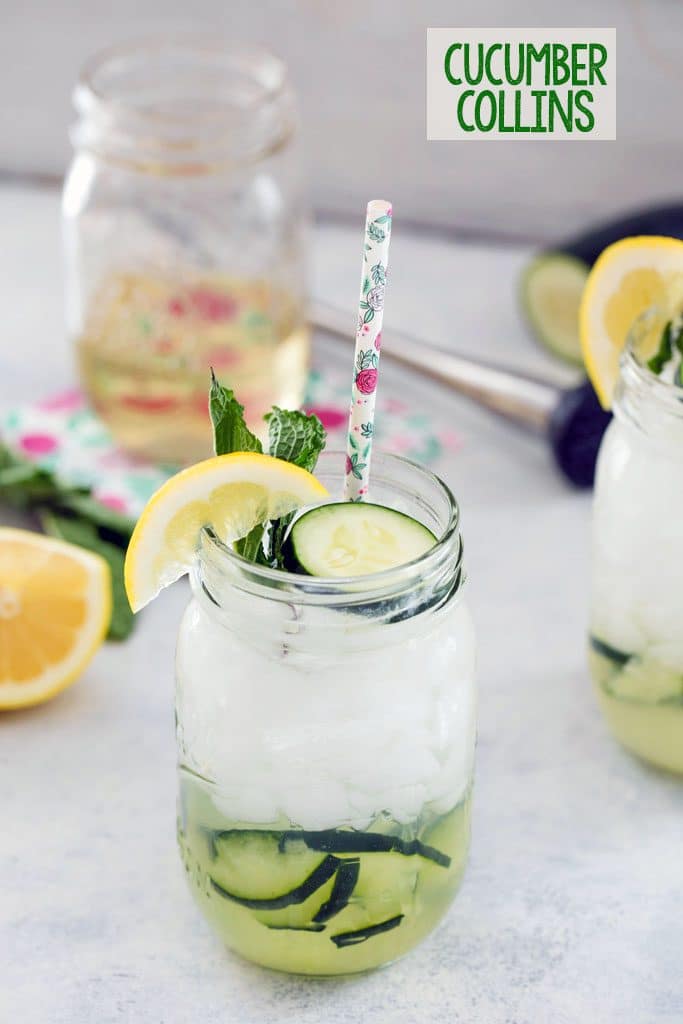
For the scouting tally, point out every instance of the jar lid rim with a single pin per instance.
(272, 80)
(342, 588)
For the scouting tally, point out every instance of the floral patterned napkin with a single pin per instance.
(61, 434)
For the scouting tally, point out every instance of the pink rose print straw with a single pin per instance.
(368, 343)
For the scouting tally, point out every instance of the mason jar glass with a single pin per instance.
(326, 732)
(183, 233)
(636, 639)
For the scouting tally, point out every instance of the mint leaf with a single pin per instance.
(292, 436)
(76, 530)
(274, 555)
(22, 482)
(665, 350)
(95, 512)
(295, 437)
(230, 431)
(251, 546)
(298, 438)
(71, 514)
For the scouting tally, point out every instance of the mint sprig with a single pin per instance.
(293, 436)
(665, 350)
(230, 431)
(73, 515)
(86, 534)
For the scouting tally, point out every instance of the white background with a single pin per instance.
(360, 69)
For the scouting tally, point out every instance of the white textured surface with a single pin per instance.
(571, 911)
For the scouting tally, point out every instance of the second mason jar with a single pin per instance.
(326, 733)
(183, 229)
(636, 640)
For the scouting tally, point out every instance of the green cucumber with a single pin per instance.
(551, 290)
(342, 939)
(295, 927)
(317, 878)
(646, 680)
(342, 841)
(248, 867)
(342, 890)
(638, 678)
(354, 539)
(607, 651)
(298, 880)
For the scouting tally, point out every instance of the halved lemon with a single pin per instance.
(55, 607)
(629, 277)
(232, 493)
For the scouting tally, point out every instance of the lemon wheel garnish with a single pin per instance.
(55, 607)
(629, 277)
(231, 493)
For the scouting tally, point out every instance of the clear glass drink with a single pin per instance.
(326, 732)
(183, 226)
(636, 641)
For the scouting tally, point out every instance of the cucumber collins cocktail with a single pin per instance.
(636, 631)
(326, 730)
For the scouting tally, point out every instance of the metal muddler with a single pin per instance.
(571, 419)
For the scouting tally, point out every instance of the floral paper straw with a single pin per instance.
(368, 340)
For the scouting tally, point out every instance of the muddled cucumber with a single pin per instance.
(317, 878)
(341, 841)
(342, 939)
(647, 681)
(354, 539)
(282, 878)
(342, 890)
(605, 650)
(639, 679)
(389, 885)
(551, 290)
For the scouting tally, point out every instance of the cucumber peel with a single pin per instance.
(609, 652)
(342, 890)
(362, 934)
(550, 292)
(341, 841)
(323, 873)
(298, 880)
(639, 679)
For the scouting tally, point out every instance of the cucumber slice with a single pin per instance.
(342, 939)
(551, 291)
(249, 868)
(343, 841)
(298, 894)
(617, 657)
(354, 539)
(647, 680)
(342, 890)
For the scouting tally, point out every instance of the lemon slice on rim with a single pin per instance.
(232, 493)
(629, 277)
(55, 607)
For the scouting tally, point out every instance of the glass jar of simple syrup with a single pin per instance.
(183, 231)
(326, 732)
